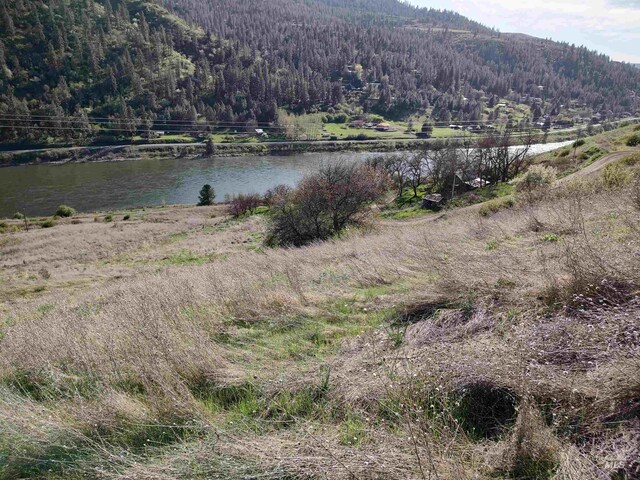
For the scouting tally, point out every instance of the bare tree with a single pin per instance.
(503, 155)
(416, 168)
(325, 203)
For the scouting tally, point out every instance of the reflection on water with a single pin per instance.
(39, 189)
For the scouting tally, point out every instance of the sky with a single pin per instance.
(608, 26)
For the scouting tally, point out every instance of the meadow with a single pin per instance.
(485, 341)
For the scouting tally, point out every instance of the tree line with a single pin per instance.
(75, 69)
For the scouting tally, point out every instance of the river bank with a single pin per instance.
(159, 177)
(115, 153)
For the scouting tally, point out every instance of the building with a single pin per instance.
(433, 202)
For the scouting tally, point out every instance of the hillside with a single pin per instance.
(84, 70)
(497, 340)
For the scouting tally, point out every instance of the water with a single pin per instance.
(89, 187)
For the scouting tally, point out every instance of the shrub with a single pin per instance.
(631, 160)
(126, 217)
(207, 195)
(108, 218)
(65, 211)
(535, 182)
(492, 245)
(634, 140)
(337, 118)
(578, 143)
(48, 224)
(276, 195)
(489, 208)
(592, 154)
(18, 216)
(243, 204)
(564, 153)
(324, 204)
(359, 137)
(614, 176)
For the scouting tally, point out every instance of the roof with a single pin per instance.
(435, 198)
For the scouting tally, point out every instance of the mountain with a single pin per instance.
(73, 69)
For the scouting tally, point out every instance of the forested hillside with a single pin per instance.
(74, 69)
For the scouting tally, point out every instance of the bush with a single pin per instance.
(243, 204)
(108, 218)
(489, 208)
(18, 216)
(48, 224)
(634, 140)
(126, 217)
(337, 118)
(615, 176)
(631, 160)
(65, 211)
(207, 195)
(324, 204)
(592, 154)
(578, 143)
(276, 195)
(359, 137)
(535, 182)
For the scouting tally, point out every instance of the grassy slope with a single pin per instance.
(171, 345)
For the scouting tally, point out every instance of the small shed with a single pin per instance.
(433, 202)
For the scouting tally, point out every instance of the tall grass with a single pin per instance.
(146, 376)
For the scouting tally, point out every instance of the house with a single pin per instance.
(433, 202)
(478, 183)
(151, 134)
(383, 127)
(261, 133)
(357, 124)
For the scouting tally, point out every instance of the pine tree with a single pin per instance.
(7, 22)
(207, 195)
(211, 148)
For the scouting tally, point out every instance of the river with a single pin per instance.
(89, 187)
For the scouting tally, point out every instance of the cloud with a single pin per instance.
(615, 19)
(611, 26)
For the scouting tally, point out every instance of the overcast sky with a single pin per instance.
(609, 26)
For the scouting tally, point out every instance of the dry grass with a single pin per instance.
(483, 308)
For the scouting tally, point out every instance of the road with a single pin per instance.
(107, 148)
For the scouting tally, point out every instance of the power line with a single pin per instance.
(114, 124)
(19, 117)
